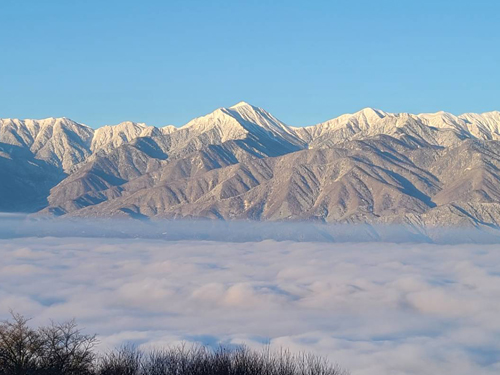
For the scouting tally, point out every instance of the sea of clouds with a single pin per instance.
(375, 308)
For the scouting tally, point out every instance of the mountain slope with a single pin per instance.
(330, 185)
(223, 137)
(243, 163)
(58, 141)
(439, 129)
(25, 182)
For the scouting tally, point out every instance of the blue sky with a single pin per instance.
(162, 62)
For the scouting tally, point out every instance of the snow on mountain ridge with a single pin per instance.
(438, 128)
(248, 115)
(168, 129)
(51, 138)
(58, 141)
(220, 121)
(241, 119)
(116, 135)
(32, 128)
(241, 104)
(214, 164)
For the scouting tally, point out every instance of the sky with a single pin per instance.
(374, 308)
(165, 62)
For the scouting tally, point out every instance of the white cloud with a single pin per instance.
(376, 308)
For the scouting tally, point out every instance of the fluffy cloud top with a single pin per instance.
(376, 308)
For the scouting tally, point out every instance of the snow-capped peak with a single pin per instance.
(241, 104)
(237, 121)
(371, 113)
(115, 135)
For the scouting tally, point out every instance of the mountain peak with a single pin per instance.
(371, 112)
(241, 104)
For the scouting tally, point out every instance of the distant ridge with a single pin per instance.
(241, 162)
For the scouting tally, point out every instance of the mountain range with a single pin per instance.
(241, 163)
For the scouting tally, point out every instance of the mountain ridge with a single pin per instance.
(241, 163)
(490, 119)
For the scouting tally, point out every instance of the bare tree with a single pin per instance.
(200, 360)
(19, 345)
(125, 361)
(64, 349)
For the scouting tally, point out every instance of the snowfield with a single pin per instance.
(375, 308)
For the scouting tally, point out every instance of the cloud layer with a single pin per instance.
(376, 308)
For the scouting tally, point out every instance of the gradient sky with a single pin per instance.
(165, 62)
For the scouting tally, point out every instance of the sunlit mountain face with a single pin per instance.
(242, 163)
